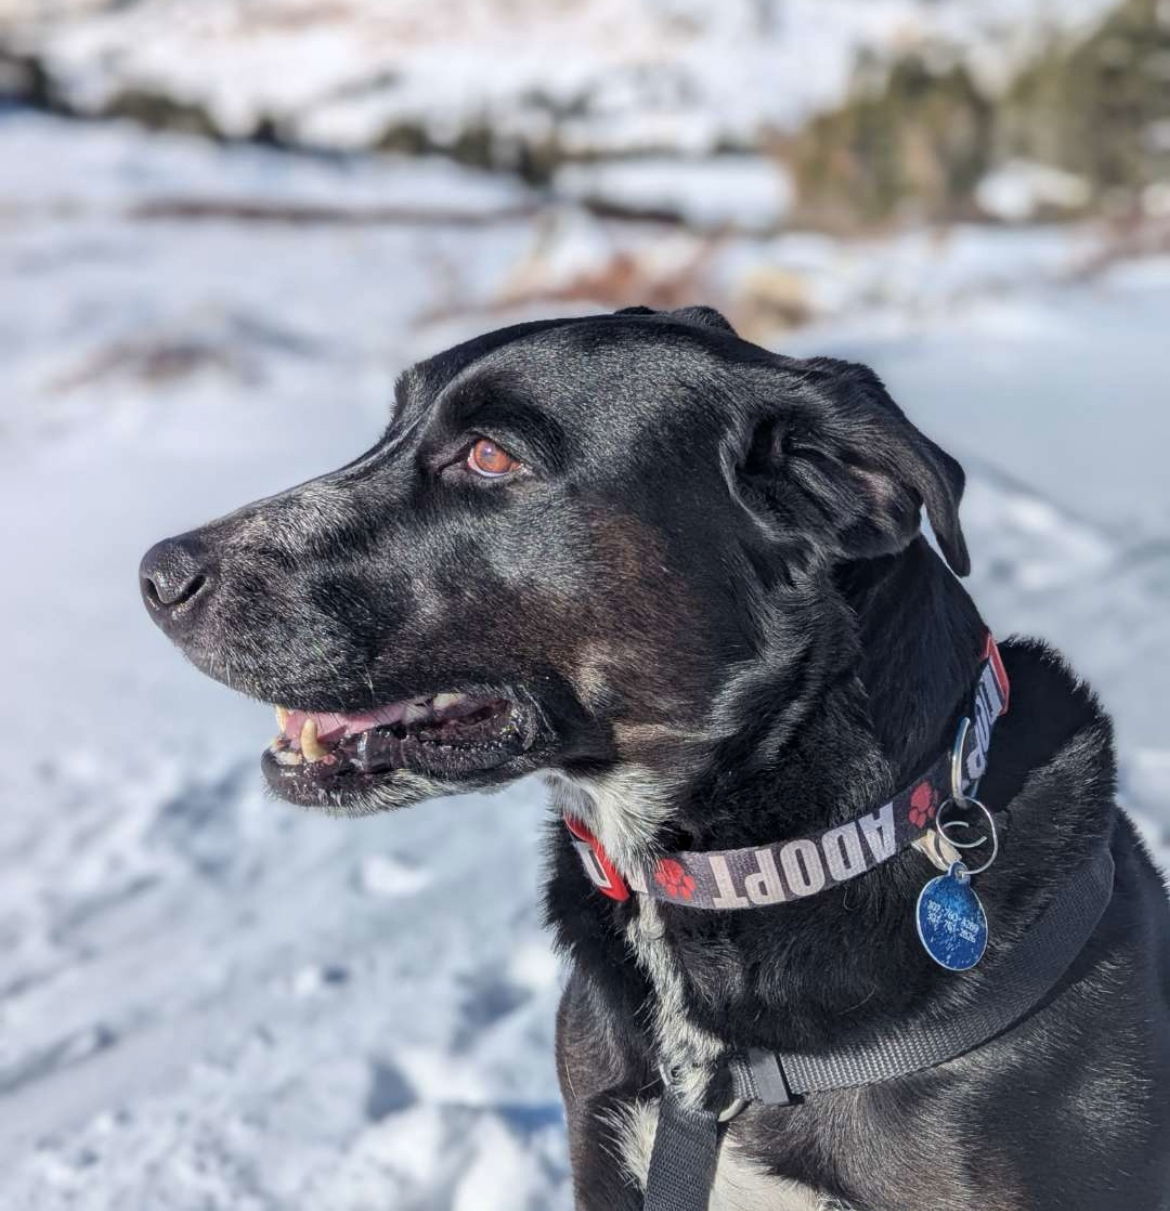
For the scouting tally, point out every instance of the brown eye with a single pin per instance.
(489, 460)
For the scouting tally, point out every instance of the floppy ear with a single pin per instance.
(841, 466)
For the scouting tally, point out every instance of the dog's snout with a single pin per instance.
(176, 575)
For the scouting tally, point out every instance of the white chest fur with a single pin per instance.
(683, 1047)
(739, 1184)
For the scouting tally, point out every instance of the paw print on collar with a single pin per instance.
(923, 805)
(672, 877)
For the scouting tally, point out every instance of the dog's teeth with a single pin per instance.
(444, 702)
(286, 756)
(415, 711)
(281, 717)
(310, 745)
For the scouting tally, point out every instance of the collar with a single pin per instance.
(763, 875)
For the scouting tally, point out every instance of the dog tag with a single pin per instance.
(951, 922)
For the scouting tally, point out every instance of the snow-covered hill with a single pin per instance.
(213, 1002)
(602, 76)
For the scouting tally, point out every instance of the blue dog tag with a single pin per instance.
(951, 921)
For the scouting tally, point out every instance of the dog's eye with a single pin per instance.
(489, 460)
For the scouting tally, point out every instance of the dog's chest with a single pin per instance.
(739, 1184)
(683, 1047)
(693, 1054)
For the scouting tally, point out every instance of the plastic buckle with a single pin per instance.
(770, 1080)
(601, 871)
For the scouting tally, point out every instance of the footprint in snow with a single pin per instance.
(389, 1092)
(386, 876)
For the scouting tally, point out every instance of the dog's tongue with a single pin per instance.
(333, 726)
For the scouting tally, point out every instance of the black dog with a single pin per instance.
(684, 577)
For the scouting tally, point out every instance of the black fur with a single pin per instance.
(708, 588)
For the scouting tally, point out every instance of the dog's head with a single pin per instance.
(575, 540)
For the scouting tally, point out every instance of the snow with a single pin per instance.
(607, 75)
(106, 169)
(1060, 387)
(748, 193)
(917, 273)
(387, 875)
(1021, 190)
(210, 1000)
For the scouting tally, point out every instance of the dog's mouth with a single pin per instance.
(326, 758)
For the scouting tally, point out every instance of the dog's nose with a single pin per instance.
(175, 576)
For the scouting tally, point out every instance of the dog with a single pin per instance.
(685, 579)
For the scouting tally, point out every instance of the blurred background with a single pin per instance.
(225, 226)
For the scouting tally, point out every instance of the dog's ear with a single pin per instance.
(840, 464)
(706, 317)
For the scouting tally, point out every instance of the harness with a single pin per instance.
(932, 814)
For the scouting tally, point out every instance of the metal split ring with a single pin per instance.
(737, 1107)
(993, 835)
(734, 1109)
(960, 798)
(957, 792)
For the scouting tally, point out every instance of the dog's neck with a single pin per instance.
(892, 658)
(861, 685)
(892, 666)
(892, 662)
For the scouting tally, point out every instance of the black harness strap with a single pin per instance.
(682, 1163)
(686, 1145)
(1026, 974)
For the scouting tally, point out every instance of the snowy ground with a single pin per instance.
(211, 1001)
